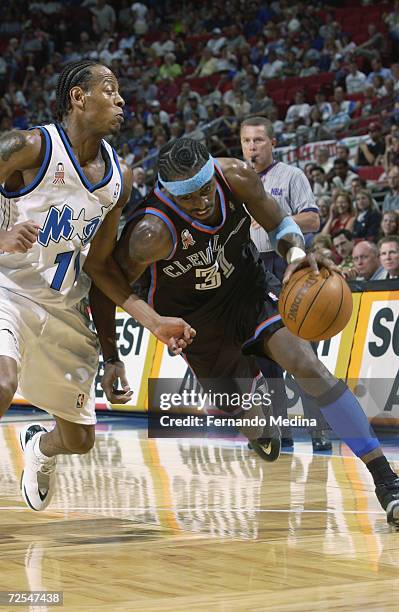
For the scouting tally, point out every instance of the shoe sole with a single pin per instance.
(24, 495)
(26, 498)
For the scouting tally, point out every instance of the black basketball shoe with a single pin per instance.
(388, 496)
(268, 449)
(321, 441)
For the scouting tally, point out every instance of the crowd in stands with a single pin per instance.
(319, 71)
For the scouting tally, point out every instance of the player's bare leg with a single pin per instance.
(68, 438)
(8, 382)
(341, 410)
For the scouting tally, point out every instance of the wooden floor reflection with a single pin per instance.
(178, 525)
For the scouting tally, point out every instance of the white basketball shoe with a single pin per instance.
(37, 480)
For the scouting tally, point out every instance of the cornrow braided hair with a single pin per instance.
(75, 73)
(179, 156)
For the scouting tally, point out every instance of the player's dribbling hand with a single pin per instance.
(112, 373)
(20, 238)
(312, 260)
(174, 332)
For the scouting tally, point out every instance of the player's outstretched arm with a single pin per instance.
(248, 187)
(20, 151)
(103, 313)
(110, 279)
(283, 231)
(307, 221)
(142, 244)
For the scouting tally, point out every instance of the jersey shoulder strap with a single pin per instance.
(225, 185)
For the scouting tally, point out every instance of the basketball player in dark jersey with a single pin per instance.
(193, 234)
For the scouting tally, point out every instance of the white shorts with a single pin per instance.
(56, 355)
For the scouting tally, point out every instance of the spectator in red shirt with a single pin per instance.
(341, 215)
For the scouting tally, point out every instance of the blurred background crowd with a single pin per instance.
(324, 73)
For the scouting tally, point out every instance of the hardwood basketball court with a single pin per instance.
(177, 525)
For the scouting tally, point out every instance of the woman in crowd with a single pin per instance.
(324, 203)
(389, 224)
(368, 218)
(341, 214)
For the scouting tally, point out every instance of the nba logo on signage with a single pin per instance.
(59, 175)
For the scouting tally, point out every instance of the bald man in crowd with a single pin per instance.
(367, 262)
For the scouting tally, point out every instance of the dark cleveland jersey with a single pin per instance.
(207, 265)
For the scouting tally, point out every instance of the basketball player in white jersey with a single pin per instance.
(290, 187)
(62, 192)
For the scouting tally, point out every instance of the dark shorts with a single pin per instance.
(274, 263)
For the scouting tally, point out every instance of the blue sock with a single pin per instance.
(346, 418)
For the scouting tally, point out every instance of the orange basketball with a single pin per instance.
(315, 306)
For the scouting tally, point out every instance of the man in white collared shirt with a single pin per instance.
(389, 256)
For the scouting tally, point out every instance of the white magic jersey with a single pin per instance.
(290, 187)
(69, 211)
